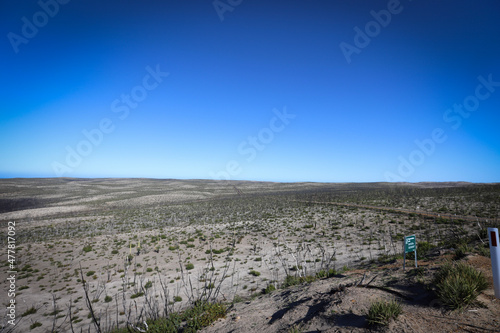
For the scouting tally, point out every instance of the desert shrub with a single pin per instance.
(381, 312)
(237, 299)
(35, 325)
(139, 294)
(462, 250)
(292, 280)
(27, 268)
(269, 289)
(108, 299)
(87, 248)
(386, 259)
(189, 266)
(148, 285)
(177, 299)
(202, 314)
(423, 248)
(324, 273)
(114, 251)
(216, 251)
(458, 285)
(254, 273)
(31, 310)
(419, 272)
(483, 250)
(296, 328)
(90, 273)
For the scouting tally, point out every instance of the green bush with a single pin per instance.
(484, 251)
(381, 312)
(90, 273)
(216, 251)
(458, 285)
(269, 289)
(139, 294)
(324, 274)
(462, 250)
(177, 299)
(292, 280)
(35, 325)
(108, 299)
(254, 273)
(202, 314)
(87, 248)
(189, 266)
(31, 310)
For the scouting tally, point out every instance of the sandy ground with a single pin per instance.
(340, 304)
(255, 241)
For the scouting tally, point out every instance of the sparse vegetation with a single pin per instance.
(382, 312)
(459, 284)
(87, 248)
(35, 325)
(254, 273)
(31, 310)
(269, 237)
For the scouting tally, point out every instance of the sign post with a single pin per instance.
(495, 258)
(410, 245)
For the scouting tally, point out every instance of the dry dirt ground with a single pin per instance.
(240, 236)
(340, 304)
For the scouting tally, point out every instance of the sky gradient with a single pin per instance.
(328, 91)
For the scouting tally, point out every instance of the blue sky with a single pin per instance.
(328, 91)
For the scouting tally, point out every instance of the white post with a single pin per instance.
(495, 258)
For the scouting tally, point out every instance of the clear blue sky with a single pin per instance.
(332, 91)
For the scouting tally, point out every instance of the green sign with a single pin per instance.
(410, 243)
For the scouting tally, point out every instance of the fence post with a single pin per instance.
(495, 258)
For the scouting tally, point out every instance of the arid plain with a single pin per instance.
(136, 247)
